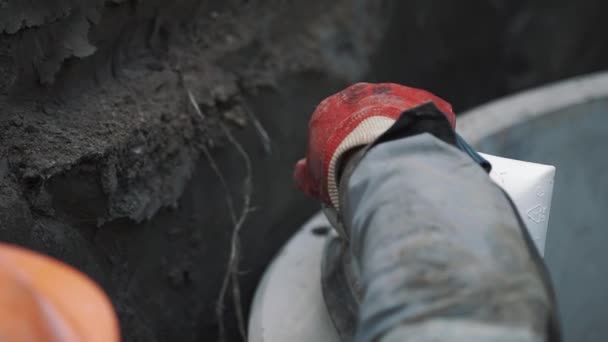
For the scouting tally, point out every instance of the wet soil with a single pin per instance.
(107, 110)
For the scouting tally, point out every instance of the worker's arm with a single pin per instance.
(440, 248)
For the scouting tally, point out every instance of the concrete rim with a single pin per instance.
(495, 116)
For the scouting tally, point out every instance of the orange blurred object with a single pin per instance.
(42, 299)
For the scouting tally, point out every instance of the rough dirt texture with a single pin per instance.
(101, 161)
(101, 139)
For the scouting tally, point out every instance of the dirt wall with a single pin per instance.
(131, 134)
(474, 52)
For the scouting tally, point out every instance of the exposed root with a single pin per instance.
(266, 142)
(195, 104)
(231, 276)
(232, 270)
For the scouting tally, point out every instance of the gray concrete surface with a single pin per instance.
(565, 125)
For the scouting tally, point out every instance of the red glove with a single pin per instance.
(353, 117)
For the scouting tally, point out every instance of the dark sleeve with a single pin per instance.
(439, 247)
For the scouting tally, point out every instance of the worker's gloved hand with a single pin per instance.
(352, 118)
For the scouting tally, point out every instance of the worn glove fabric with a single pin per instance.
(353, 117)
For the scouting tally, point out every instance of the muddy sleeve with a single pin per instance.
(440, 249)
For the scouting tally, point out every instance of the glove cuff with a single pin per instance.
(366, 132)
